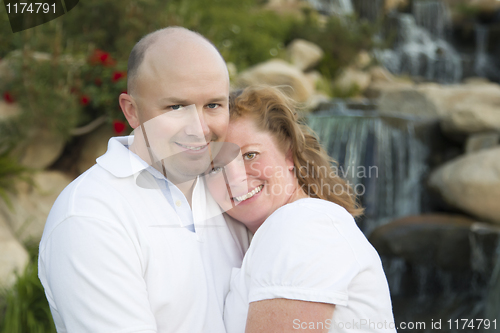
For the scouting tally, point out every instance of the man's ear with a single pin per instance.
(129, 109)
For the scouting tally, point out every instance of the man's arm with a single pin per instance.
(92, 275)
(285, 315)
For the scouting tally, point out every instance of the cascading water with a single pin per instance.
(369, 9)
(433, 15)
(380, 156)
(418, 54)
(483, 64)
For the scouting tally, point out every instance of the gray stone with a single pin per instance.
(32, 204)
(278, 73)
(304, 54)
(471, 183)
(480, 141)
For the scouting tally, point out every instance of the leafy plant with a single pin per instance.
(26, 308)
(10, 170)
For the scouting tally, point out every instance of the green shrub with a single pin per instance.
(26, 309)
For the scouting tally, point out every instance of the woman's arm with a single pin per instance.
(286, 315)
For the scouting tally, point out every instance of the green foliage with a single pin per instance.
(9, 172)
(26, 308)
(342, 38)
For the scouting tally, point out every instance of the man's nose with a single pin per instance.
(197, 124)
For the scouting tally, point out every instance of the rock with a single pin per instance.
(463, 109)
(315, 101)
(378, 87)
(380, 74)
(363, 60)
(304, 54)
(433, 239)
(32, 204)
(94, 145)
(394, 5)
(13, 256)
(277, 72)
(314, 78)
(351, 78)
(40, 150)
(480, 141)
(471, 183)
(407, 101)
(8, 110)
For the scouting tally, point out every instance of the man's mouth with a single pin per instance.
(249, 194)
(193, 147)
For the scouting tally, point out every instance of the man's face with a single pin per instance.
(182, 103)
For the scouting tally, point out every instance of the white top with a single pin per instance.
(312, 250)
(115, 257)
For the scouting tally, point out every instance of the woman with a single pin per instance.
(308, 267)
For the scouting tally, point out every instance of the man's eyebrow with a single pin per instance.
(175, 100)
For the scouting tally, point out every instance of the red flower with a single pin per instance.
(84, 100)
(8, 97)
(99, 57)
(118, 76)
(119, 126)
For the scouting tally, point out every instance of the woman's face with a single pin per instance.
(267, 182)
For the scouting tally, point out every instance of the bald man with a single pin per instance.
(136, 244)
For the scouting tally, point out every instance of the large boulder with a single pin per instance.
(32, 203)
(434, 239)
(471, 183)
(463, 109)
(13, 256)
(8, 110)
(352, 79)
(39, 150)
(304, 54)
(94, 145)
(278, 72)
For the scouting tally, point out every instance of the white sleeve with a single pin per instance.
(92, 275)
(300, 254)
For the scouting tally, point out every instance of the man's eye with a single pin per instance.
(175, 107)
(249, 156)
(212, 105)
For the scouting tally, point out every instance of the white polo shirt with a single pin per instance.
(115, 255)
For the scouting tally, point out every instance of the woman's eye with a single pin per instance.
(249, 156)
(212, 105)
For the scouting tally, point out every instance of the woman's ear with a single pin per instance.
(129, 109)
(289, 159)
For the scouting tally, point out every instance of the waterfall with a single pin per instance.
(369, 9)
(484, 65)
(380, 156)
(433, 15)
(333, 7)
(418, 54)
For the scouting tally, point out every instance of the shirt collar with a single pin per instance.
(119, 160)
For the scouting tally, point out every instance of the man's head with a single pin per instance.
(177, 100)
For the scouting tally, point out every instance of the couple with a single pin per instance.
(139, 242)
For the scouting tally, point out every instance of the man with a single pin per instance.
(122, 250)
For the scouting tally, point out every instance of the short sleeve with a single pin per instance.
(299, 253)
(93, 280)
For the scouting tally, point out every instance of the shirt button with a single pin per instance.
(178, 203)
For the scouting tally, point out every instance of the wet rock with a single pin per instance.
(434, 239)
(304, 54)
(471, 183)
(13, 256)
(278, 73)
(32, 204)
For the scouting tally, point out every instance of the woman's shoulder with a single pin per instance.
(310, 210)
